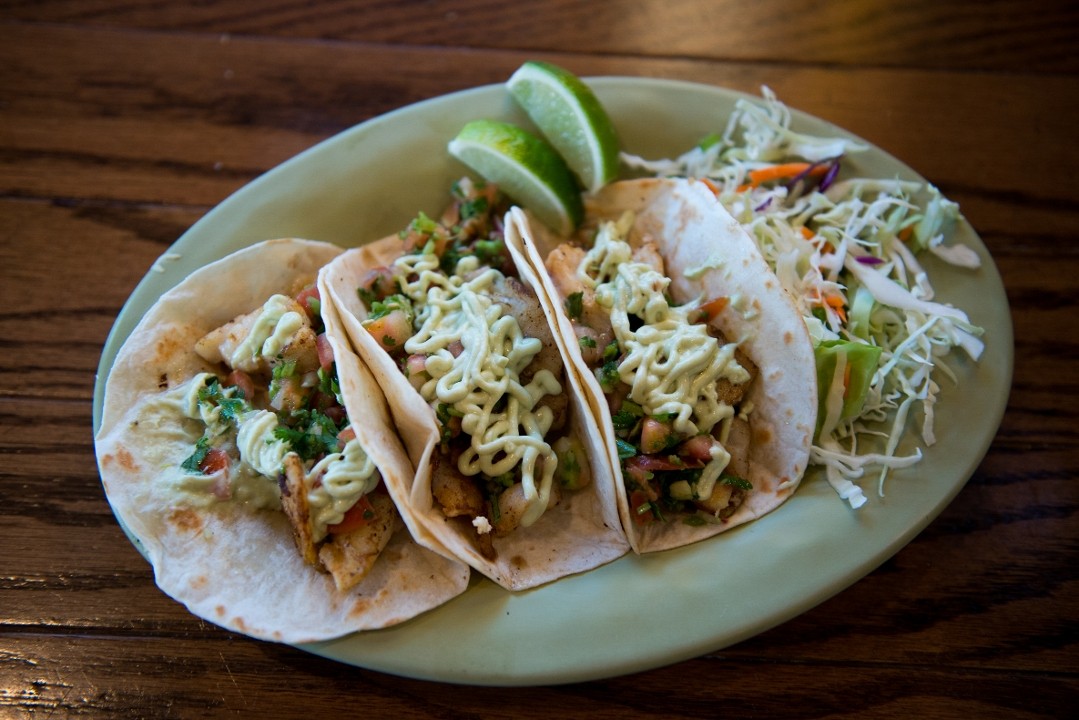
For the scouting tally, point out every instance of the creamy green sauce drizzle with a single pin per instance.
(335, 483)
(671, 363)
(274, 326)
(482, 383)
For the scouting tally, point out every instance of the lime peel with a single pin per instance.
(572, 119)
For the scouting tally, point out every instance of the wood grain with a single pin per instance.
(999, 36)
(121, 124)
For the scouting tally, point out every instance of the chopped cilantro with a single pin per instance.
(627, 416)
(281, 371)
(424, 224)
(488, 250)
(474, 207)
(367, 296)
(612, 351)
(226, 399)
(737, 482)
(608, 375)
(575, 305)
(625, 449)
(311, 434)
(328, 383)
(192, 463)
(450, 257)
(586, 342)
(444, 412)
(382, 308)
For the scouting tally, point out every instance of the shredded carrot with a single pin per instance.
(807, 233)
(711, 186)
(784, 170)
(836, 302)
(743, 188)
(905, 233)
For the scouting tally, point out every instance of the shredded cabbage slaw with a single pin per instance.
(846, 250)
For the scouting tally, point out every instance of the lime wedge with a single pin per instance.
(523, 166)
(571, 118)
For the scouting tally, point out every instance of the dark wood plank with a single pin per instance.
(68, 269)
(123, 123)
(200, 116)
(1002, 36)
(123, 677)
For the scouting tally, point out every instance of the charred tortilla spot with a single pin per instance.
(126, 460)
(359, 607)
(788, 338)
(185, 519)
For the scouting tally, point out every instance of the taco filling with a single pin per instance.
(274, 434)
(474, 342)
(674, 385)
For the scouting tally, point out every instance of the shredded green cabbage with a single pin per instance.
(847, 252)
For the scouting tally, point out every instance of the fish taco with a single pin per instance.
(697, 364)
(251, 455)
(510, 475)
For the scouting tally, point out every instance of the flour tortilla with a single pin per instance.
(580, 533)
(229, 565)
(707, 254)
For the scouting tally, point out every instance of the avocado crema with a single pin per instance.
(270, 432)
(474, 342)
(675, 386)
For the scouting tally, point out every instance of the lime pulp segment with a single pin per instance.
(523, 166)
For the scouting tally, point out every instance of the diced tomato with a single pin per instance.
(636, 473)
(416, 364)
(290, 395)
(377, 284)
(335, 412)
(638, 501)
(216, 459)
(345, 436)
(325, 351)
(698, 447)
(416, 370)
(355, 517)
(660, 463)
(240, 379)
(654, 435)
(391, 331)
(304, 298)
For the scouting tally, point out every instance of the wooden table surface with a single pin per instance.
(122, 123)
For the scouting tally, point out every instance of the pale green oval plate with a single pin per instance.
(636, 613)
